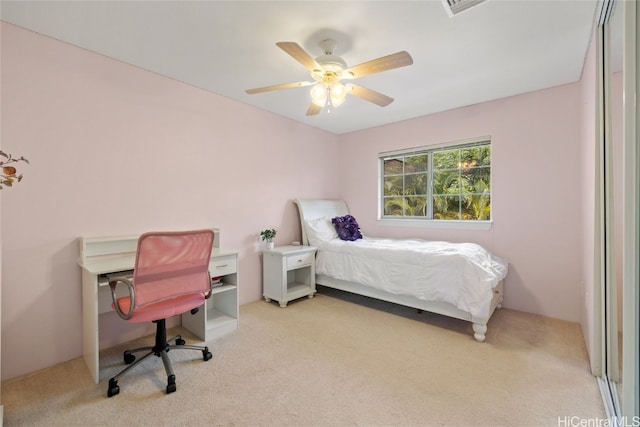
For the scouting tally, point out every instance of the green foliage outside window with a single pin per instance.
(443, 184)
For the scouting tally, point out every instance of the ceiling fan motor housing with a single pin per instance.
(329, 61)
(332, 65)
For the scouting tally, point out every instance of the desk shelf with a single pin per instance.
(218, 315)
(223, 288)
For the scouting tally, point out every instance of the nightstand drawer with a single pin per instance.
(222, 266)
(298, 260)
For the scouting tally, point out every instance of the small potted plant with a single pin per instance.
(267, 236)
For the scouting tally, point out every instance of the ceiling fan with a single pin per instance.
(327, 72)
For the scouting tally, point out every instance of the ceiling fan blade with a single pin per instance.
(300, 55)
(313, 109)
(389, 62)
(278, 87)
(370, 95)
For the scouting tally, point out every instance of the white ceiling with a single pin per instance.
(497, 49)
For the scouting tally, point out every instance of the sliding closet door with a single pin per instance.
(612, 43)
(631, 210)
(609, 203)
(617, 240)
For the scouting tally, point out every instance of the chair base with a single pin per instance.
(160, 349)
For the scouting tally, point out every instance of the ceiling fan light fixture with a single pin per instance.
(338, 93)
(335, 93)
(319, 94)
(336, 102)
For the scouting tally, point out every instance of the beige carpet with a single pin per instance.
(328, 361)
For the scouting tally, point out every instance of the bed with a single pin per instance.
(459, 280)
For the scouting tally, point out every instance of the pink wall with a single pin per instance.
(535, 185)
(116, 150)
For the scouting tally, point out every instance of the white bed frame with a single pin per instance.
(314, 208)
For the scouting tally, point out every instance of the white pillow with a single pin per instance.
(320, 230)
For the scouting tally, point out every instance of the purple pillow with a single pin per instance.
(347, 227)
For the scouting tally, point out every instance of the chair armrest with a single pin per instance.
(208, 294)
(132, 296)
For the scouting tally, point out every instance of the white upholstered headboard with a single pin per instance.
(317, 208)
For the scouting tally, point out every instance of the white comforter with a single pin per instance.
(462, 274)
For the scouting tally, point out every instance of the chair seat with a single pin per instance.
(162, 309)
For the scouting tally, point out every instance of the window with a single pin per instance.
(451, 182)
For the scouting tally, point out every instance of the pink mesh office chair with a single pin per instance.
(170, 277)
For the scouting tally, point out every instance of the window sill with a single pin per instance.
(437, 224)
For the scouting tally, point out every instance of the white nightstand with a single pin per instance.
(289, 272)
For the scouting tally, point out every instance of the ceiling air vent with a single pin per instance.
(454, 7)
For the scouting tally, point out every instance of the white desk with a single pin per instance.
(100, 256)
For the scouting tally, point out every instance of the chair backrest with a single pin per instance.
(171, 264)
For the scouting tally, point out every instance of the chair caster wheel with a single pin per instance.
(180, 341)
(171, 384)
(114, 388)
(128, 357)
(206, 354)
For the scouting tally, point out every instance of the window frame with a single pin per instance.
(429, 222)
